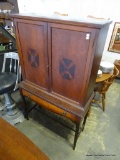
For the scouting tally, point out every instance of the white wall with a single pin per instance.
(78, 8)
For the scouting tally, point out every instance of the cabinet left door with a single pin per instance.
(32, 45)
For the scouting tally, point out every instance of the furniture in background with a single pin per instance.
(9, 78)
(2, 22)
(7, 38)
(104, 77)
(59, 60)
(117, 64)
(103, 83)
(14, 145)
(114, 45)
(7, 41)
(7, 7)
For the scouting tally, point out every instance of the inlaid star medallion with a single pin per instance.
(33, 57)
(67, 68)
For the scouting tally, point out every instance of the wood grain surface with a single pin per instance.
(16, 146)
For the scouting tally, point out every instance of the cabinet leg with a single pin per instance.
(89, 111)
(76, 135)
(84, 122)
(24, 103)
(77, 132)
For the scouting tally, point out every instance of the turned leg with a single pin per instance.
(24, 103)
(77, 132)
(84, 122)
(76, 135)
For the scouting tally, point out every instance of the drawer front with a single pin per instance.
(51, 107)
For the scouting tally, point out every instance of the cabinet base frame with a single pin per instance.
(76, 120)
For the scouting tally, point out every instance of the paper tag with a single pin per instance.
(87, 36)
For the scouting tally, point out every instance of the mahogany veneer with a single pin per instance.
(16, 146)
(60, 59)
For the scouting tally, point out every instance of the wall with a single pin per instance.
(78, 8)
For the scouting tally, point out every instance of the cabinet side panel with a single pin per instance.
(99, 47)
(33, 42)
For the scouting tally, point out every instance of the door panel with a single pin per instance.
(70, 54)
(33, 44)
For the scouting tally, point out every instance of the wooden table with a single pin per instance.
(16, 146)
(104, 77)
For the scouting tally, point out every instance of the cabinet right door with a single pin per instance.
(70, 59)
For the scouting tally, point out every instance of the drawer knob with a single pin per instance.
(64, 113)
(28, 95)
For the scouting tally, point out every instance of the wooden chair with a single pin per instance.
(103, 87)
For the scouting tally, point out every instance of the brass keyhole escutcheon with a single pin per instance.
(48, 65)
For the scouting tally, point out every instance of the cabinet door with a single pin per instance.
(32, 44)
(71, 56)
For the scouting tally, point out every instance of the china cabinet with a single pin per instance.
(60, 58)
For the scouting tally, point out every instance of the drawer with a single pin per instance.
(51, 107)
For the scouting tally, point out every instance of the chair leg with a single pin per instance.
(103, 101)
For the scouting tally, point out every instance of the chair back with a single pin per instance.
(106, 84)
(12, 65)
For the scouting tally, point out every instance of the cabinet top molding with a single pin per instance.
(90, 22)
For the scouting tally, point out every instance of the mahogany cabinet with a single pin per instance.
(59, 60)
